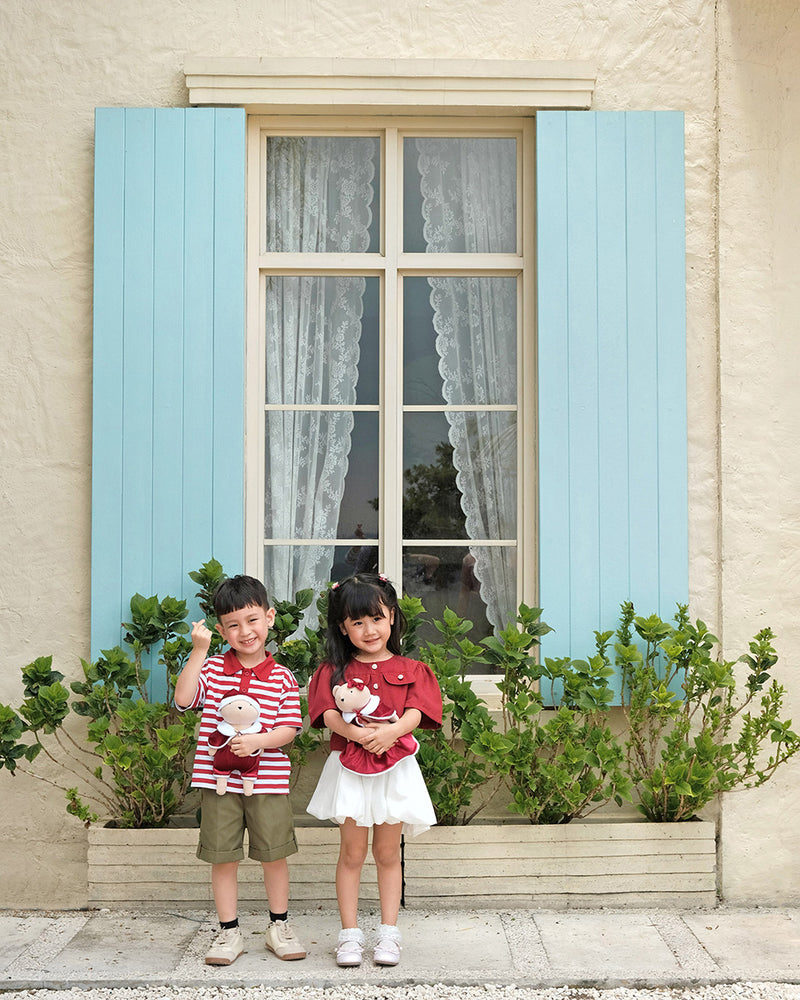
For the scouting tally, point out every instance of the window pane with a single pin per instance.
(460, 475)
(321, 474)
(432, 502)
(478, 583)
(460, 195)
(306, 461)
(322, 340)
(358, 517)
(288, 569)
(284, 564)
(322, 194)
(460, 341)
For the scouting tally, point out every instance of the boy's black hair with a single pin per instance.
(237, 592)
(361, 596)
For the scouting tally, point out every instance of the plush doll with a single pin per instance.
(239, 713)
(361, 708)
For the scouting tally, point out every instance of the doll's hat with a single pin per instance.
(226, 699)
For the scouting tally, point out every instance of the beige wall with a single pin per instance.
(759, 229)
(59, 61)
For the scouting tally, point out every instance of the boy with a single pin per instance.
(245, 617)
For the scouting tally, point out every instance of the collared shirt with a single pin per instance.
(276, 691)
(399, 682)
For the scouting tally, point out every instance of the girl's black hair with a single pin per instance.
(362, 596)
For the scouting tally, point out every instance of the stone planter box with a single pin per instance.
(588, 863)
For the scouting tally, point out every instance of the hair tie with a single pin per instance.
(335, 586)
(385, 579)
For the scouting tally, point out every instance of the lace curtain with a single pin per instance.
(469, 205)
(319, 193)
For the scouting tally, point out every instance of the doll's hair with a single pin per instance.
(237, 592)
(365, 595)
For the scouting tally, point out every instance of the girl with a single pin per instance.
(365, 628)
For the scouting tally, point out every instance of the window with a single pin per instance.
(390, 284)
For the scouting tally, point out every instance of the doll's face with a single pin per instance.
(239, 712)
(350, 699)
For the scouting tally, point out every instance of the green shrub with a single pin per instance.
(559, 763)
(453, 772)
(694, 730)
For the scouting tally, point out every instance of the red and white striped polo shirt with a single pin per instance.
(276, 691)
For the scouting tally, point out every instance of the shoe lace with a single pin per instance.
(225, 935)
(289, 935)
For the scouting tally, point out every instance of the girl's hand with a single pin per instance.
(246, 744)
(363, 734)
(201, 636)
(382, 738)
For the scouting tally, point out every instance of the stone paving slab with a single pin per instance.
(18, 935)
(740, 941)
(540, 949)
(625, 946)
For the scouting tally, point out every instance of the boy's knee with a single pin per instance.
(280, 865)
(223, 869)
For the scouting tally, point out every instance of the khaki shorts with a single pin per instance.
(224, 818)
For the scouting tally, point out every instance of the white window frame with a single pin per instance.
(390, 264)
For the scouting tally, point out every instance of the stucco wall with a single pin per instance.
(57, 62)
(759, 236)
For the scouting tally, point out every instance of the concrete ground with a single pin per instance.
(606, 949)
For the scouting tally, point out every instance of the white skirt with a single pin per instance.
(396, 796)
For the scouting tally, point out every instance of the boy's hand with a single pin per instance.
(245, 744)
(201, 636)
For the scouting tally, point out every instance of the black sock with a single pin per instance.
(278, 916)
(227, 924)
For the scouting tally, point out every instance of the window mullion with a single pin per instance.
(255, 428)
(391, 497)
(527, 390)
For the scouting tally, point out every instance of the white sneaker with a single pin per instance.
(226, 947)
(350, 947)
(282, 940)
(387, 950)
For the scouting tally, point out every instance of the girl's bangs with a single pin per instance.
(364, 602)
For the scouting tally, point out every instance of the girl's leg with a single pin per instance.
(352, 854)
(225, 889)
(386, 851)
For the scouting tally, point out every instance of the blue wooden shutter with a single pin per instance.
(613, 521)
(168, 428)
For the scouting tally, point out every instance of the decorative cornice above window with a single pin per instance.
(389, 86)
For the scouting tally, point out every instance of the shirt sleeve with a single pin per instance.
(289, 713)
(425, 695)
(200, 692)
(320, 696)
